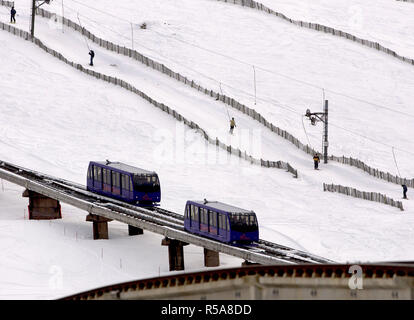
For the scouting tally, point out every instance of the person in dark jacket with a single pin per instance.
(404, 191)
(92, 54)
(316, 161)
(12, 15)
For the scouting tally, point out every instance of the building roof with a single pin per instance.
(223, 207)
(125, 167)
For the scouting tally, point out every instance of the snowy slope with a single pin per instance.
(55, 119)
(204, 110)
(292, 66)
(387, 22)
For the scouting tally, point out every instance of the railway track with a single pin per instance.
(156, 215)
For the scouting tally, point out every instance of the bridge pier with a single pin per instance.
(100, 226)
(134, 231)
(211, 258)
(175, 253)
(42, 207)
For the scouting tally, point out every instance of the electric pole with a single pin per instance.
(33, 18)
(321, 116)
(325, 142)
(34, 7)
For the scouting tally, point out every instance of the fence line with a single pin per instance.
(243, 155)
(372, 196)
(252, 113)
(322, 28)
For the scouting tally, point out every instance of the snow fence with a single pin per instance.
(321, 28)
(237, 152)
(372, 196)
(223, 98)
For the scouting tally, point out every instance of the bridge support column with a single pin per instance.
(175, 253)
(134, 231)
(41, 207)
(100, 226)
(211, 258)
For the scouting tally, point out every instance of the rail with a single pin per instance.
(158, 220)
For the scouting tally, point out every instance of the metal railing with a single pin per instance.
(63, 191)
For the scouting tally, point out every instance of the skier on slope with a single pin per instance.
(404, 191)
(92, 54)
(12, 15)
(232, 125)
(316, 161)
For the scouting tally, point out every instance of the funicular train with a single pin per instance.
(221, 221)
(124, 182)
(211, 219)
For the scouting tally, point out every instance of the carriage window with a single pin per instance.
(105, 177)
(253, 221)
(222, 221)
(201, 211)
(145, 183)
(213, 218)
(108, 176)
(123, 182)
(98, 174)
(203, 216)
(243, 222)
(206, 214)
(194, 213)
(115, 179)
(89, 172)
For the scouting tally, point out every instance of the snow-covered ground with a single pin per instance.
(292, 65)
(388, 22)
(55, 120)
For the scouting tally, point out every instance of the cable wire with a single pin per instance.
(268, 100)
(258, 67)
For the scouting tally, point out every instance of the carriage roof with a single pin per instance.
(125, 167)
(222, 207)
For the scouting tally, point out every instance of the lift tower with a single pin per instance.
(34, 7)
(321, 116)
